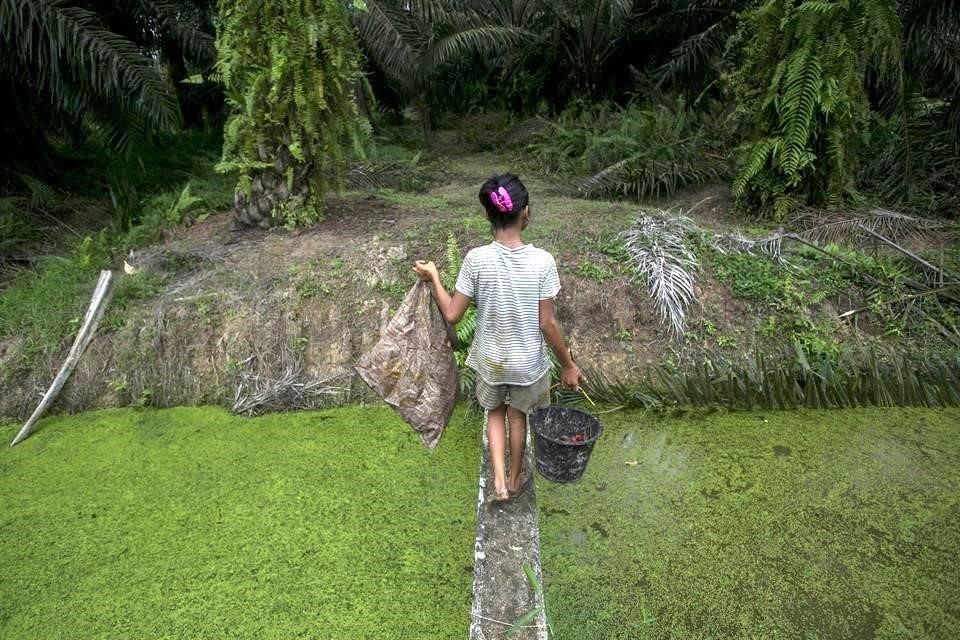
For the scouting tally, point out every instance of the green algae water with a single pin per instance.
(834, 524)
(193, 523)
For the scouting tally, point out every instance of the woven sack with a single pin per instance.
(412, 366)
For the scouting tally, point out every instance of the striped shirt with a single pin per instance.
(507, 286)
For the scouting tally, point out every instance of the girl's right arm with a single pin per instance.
(452, 307)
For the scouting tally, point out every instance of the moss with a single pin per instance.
(192, 523)
(759, 525)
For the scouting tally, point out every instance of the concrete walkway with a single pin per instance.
(507, 539)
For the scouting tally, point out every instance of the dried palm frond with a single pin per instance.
(770, 246)
(258, 394)
(406, 174)
(368, 176)
(839, 226)
(658, 250)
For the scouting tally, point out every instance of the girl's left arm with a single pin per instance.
(452, 307)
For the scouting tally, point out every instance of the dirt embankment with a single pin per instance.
(280, 317)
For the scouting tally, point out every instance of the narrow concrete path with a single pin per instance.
(508, 538)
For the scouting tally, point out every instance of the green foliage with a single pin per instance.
(792, 291)
(15, 227)
(932, 64)
(393, 167)
(705, 26)
(590, 34)
(289, 69)
(912, 160)
(467, 326)
(750, 277)
(636, 152)
(129, 289)
(801, 95)
(168, 209)
(800, 376)
(142, 186)
(94, 70)
(310, 280)
(594, 271)
(412, 42)
(525, 619)
(44, 307)
(168, 185)
(78, 64)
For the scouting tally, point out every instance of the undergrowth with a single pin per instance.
(44, 307)
(636, 152)
(790, 378)
(141, 196)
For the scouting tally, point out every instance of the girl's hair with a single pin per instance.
(518, 199)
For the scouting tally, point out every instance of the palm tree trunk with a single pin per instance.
(426, 120)
(270, 190)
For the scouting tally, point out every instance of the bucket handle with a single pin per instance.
(581, 390)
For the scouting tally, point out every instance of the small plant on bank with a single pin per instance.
(796, 271)
(468, 323)
(130, 289)
(594, 271)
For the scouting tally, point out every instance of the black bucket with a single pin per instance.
(564, 438)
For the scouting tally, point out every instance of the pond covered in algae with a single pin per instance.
(840, 524)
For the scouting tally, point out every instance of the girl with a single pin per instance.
(513, 285)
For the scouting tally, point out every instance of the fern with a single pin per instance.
(448, 277)
(289, 69)
(467, 327)
(801, 87)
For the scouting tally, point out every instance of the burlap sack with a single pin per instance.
(412, 366)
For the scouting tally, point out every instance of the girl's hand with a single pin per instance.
(572, 376)
(426, 270)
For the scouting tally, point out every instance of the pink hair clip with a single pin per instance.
(501, 200)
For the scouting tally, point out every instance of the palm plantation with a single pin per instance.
(754, 210)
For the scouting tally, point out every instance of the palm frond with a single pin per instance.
(660, 256)
(75, 60)
(833, 226)
(513, 13)
(696, 52)
(770, 246)
(181, 21)
(382, 32)
(479, 39)
(789, 379)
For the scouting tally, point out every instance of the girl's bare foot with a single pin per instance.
(518, 484)
(498, 495)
